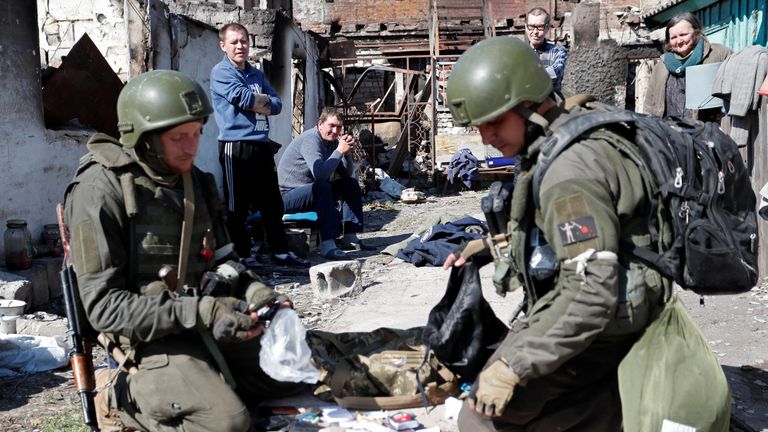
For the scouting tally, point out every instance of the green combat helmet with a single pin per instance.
(157, 100)
(493, 77)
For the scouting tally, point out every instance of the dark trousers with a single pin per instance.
(250, 185)
(321, 197)
(582, 395)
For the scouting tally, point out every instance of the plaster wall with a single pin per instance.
(61, 23)
(196, 51)
(35, 164)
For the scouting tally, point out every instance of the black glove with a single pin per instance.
(226, 317)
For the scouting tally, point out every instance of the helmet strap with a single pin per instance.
(155, 145)
(149, 153)
(532, 116)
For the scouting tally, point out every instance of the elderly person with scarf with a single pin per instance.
(685, 45)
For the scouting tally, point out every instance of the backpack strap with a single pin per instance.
(562, 138)
(564, 135)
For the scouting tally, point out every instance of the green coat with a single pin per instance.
(591, 199)
(111, 281)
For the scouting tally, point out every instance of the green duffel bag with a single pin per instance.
(670, 378)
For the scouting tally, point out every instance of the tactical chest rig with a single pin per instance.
(523, 257)
(155, 214)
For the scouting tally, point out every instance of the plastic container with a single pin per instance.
(18, 245)
(10, 311)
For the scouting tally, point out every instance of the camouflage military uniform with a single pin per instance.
(116, 255)
(589, 312)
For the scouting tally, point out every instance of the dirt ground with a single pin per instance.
(396, 294)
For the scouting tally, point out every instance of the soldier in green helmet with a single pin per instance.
(588, 300)
(135, 206)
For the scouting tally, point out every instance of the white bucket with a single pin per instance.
(10, 310)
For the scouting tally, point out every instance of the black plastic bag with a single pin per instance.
(462, 329)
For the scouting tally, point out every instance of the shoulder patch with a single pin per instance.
(577, 230)
(576, 226)
(85, 253)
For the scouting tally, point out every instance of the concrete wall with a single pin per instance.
(35, 164)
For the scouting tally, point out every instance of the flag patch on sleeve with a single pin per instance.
(577, 230)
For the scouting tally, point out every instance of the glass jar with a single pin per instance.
(18, 245)
(51, 240)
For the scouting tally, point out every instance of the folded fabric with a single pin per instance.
(463, 166)
(739, 78)
(434, 246)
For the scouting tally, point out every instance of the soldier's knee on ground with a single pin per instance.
(471, 421)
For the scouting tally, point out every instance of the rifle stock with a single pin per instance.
(81, 358)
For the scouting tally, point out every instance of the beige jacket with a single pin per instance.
(655, 99)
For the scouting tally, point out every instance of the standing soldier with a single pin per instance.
(584, 312)
(136, 205)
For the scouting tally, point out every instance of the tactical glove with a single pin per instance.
(259, 295)
(215, 285)
(226, 317)
(493, 389)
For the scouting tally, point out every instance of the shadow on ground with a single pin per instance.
(749, 392)
(18, 391)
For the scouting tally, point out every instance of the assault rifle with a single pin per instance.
(81, 357)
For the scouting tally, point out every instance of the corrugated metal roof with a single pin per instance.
(659, 15)
(660, 8)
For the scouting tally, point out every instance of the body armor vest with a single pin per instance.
(157, 230)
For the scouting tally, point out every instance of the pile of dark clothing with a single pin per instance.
(463, 166)
(434, 246)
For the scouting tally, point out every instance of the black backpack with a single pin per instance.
(703, 183)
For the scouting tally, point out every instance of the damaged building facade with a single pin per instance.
(87, 50)
(385, 63)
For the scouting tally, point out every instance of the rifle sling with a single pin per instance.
(186, 229)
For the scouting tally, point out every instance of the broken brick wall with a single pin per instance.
(358, 15)
(62, 23)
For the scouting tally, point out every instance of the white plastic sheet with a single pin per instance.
(285, 355)
(20, 354)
